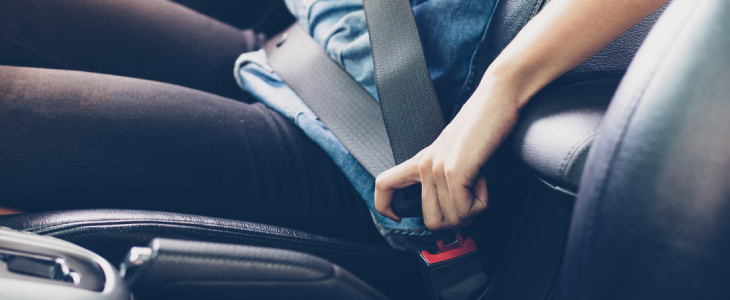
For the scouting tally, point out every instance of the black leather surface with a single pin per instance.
(111, 233)
(556, 130)
(511, 15)
(191, 270)
(652, 219)
(560, 164)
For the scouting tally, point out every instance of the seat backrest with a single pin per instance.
(511, 15)
(557, 128)
(652, 218)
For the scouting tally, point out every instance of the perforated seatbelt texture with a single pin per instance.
(339, 101)
(411, 110)
(409, 116)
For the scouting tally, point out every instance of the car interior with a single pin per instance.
(613, 185)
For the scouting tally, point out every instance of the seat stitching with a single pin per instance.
(59, 229)
(277, 241)
(571, 153)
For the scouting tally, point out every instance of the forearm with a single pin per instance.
(562, 36)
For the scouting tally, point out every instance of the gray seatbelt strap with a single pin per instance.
(408, 117)
(340, 102)
(411, 111)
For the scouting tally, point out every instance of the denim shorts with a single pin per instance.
(451, 32)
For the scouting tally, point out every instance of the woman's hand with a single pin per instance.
(563, 35)
(453, 191)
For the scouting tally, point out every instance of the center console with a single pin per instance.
(40, 267)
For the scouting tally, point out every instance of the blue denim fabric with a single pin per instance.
(450, 31)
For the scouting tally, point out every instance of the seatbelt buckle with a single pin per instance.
(455, 271)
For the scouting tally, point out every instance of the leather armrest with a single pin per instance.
(111, 232)
(556, 130)
(198, 270)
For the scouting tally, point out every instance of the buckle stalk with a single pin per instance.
(455, 271)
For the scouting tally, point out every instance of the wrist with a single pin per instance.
(513, 80)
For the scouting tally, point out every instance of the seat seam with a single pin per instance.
(249, 260)
(276, 241)
(89, 228)
(571, 153)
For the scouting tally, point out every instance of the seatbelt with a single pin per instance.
(411, 110)
(409, 116)
(407, 120)
(341, 103)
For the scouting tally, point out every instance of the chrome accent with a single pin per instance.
(135, 260)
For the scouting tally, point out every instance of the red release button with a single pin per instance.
(467, 247)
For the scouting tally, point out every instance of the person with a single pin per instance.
(74, 140)
(562, 36)
(451, 32)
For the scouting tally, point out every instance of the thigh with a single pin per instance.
(82, 140)
(150, 39)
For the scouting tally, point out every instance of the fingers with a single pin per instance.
(398, 177)
(439, 203)
(450, 199)
(446, 199)
(469, 200)
(432, 215)
(459, 198)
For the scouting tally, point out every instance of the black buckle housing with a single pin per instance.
(455, 272)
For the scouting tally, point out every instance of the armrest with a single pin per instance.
(204, 270)
(557, 128)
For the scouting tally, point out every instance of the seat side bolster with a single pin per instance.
(557, 128)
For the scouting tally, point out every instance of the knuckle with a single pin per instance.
(453, 221)
(424, 165)
(450, 171)
(461, 214)
(436, 172)
(438, 168)
(430, 224)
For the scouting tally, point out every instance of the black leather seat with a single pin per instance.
(111, 232)
(652, 218)
(557, 127)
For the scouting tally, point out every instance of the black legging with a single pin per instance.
(72, 139)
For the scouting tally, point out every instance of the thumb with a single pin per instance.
(388, 182)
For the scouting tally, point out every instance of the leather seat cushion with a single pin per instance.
(111, 233)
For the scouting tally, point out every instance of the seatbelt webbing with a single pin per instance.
(379, 136)
(411, 110)
(339, 101)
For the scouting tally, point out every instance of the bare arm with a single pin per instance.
(565, 34)
(562, 36)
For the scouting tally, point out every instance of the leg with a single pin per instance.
(81, 140)
(150, 39)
